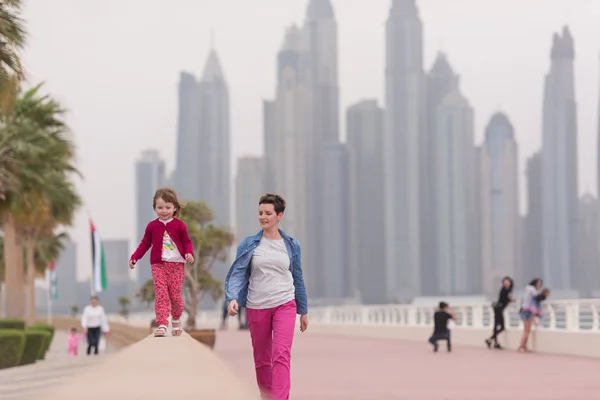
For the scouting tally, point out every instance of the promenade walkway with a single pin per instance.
(324, 367)
(327, 367)
(23, 382)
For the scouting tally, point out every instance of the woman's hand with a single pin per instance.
(232, 308)
(303, 322)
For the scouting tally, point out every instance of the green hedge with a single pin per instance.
(47, 328)
(12, 324)
(34, 345)
(12, 344)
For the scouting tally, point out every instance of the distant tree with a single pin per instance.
(74, 311)
(146, 293)
(124, 303)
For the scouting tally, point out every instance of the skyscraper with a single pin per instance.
(249, 186)
(404, 124)
(214, 151)
(455, 195)
(270, 142)
(364, 125)
(499, 199)
(149, 176)
(288, 148)
(334, 271)
(203, 140)
(441, 80)
(586, 274)
(187, 162)
(533, 259)
(559, 165)
(319, 66)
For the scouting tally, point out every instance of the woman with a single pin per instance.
(266, 278)
(504, 298)
(531, 291)
(94, 322)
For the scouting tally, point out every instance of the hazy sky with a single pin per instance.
(115, 65)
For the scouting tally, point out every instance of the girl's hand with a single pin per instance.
(132, 264)
(189, 258)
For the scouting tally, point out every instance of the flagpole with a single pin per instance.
(49, 299)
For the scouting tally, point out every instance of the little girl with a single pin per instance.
(536, 304)
(73, 341)
(169, 240)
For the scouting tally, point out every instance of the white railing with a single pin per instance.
(565, 315)
(569, 315)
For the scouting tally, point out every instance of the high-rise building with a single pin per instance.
(287, 149)
(149, 176)
(586, 274)
(319, 66)
(533, 260)
(333, 282)
(455, 195)
(214, 151)
(405, 119)
(559, 165)
(364, 126)
(499, 198)
(66, 281)
(249, 186)
(189, 141)
(203, 140)
(441, 80)
(270, 143)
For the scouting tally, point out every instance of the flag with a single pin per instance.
(99, 281)
(53, 282)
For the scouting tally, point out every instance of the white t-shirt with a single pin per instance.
(271, 281)
(170, 253)
(94, 317)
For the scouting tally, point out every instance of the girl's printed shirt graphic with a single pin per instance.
(169, 250)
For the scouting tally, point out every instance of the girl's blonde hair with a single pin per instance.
(168, 195)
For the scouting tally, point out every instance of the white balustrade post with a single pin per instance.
(572, 316)
(412, 316)
(477, 317)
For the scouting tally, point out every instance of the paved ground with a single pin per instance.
(21, 382)
(333, 367)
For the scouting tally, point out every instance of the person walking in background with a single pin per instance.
(525, 313)
(94, 322)
(266, 278)
(440, 326)
(504, 299)
(171, 248)
(73, 341)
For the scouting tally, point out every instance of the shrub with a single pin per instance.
(47, 328)
(12, 343)
(12, 324)
(34, 344)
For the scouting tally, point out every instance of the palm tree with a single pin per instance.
(13, 36)
(44, 197)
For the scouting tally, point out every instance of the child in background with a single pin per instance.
(73, 341)
(440, 326)
(536, 304)
(171, 248)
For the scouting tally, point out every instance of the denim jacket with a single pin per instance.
(238, 277)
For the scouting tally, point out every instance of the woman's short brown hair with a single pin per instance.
(275, 199)
(168, 195)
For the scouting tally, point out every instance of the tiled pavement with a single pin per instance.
(335, 367)
(21, 382)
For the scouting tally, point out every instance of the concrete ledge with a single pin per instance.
(583, 344)
(155, 368)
